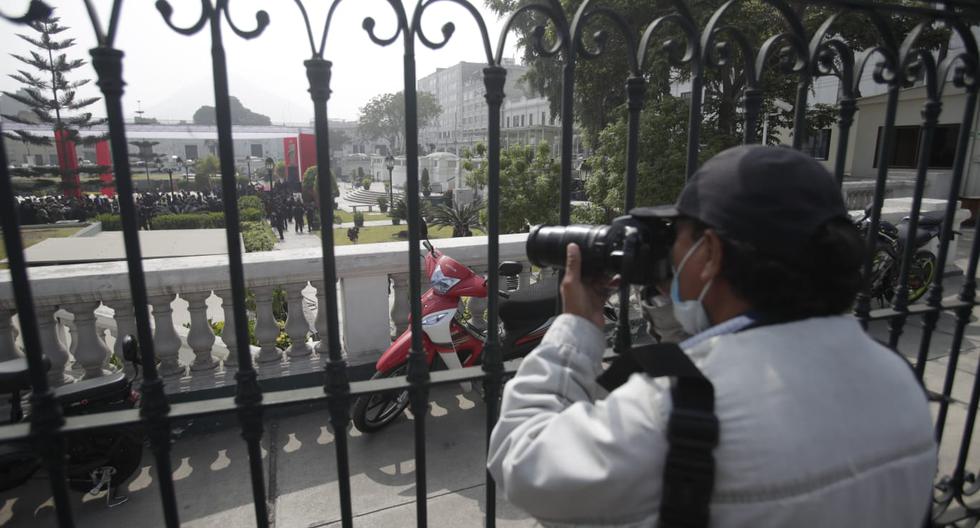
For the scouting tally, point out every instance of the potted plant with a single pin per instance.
(383, 204)
(358, 219)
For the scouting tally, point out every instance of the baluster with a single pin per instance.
(266, 329)
(296, 325)
(524, 279)
(228, 331)
(165, 338)
(52, 345)
(321, 346)
(399, 303)
(90, 350)
(125, 324)
(8, 345)
(201, 336)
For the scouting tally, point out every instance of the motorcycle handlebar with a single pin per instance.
(427, 245)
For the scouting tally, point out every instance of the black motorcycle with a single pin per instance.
(95, 461)
(889, 250)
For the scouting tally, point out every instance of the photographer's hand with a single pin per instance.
(584, 299)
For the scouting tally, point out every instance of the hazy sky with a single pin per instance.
(170, 74)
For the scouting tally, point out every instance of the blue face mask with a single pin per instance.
(690, 313)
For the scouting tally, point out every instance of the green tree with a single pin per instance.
(204, 169)
(462, 218)
(528, 187)
(425, 184)
(240, 115)
(310, 182)
(383, 117)
(52, 99)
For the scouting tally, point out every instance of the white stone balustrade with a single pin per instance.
(189, 355)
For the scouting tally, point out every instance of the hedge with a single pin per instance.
(110, 222)
(258, 236)
(189, 221)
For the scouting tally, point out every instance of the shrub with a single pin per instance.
(383, 204)
(110, 222)
(250, 214)
(216, 220)
(258, 236)
(358, 219)
(366, 183)
(250, 202)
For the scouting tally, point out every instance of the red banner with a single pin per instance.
(307, 152)
(103, 157)
(68, 163)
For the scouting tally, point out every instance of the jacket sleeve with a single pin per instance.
(562, 449)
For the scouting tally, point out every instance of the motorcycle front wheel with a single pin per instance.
(121, 450)
(373, 412)
(921, 274)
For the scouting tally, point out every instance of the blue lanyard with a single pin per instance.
(730, 326)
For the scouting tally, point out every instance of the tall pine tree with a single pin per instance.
(53, 100)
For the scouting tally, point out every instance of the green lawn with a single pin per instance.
(346, 216)
(370, 235)
(33, 236)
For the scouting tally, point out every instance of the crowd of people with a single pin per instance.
(283, 207)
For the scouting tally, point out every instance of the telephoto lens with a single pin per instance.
(546, 246)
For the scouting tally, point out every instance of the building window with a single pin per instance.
(53, 159)
(522, 119)
(817, 144)
(543, 121)
(38, 159)
(256, 150)
(905, 150)
(530, 120)
(190, 152)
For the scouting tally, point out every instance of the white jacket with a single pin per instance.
(820, 427)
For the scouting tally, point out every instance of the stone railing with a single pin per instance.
(83, 308)
(858, 194)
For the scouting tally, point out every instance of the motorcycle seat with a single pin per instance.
(931, 218)
(922, 235)
(92, 388)
(14, 375)
(536, 302)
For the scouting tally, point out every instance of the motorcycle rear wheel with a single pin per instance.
(373, 412)
(921, 274)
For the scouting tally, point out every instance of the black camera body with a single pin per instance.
(636, 246)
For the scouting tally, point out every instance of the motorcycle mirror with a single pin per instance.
(131, 350)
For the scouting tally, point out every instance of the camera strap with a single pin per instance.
(692, 430)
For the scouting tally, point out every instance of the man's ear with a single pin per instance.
(713, 255)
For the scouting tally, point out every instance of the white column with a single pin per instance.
(321, 318)
(364, 304)
(51, 344)
(400, 304)
(8, 345)
(125, 325)
(166, 342)
(525, 276)
(228, 331)
(200, 337)
(91, 351)
(296, 325)
(266, 329)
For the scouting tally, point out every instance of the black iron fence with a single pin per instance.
(694, 46)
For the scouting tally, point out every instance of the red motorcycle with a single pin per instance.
(525, 316)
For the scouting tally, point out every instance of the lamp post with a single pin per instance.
(270, 164)
(248, 163)
(390, 165)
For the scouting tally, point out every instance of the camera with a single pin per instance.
(636, 246)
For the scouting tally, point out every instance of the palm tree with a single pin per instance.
(462, 217)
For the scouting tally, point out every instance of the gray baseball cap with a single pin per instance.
(774, 198)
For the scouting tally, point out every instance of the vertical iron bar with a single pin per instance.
(968, 293)
(494, 77)
(863, 308)
(848, 106)
(635, 92)
(248, 396)
(336, 384)
(154, 408)
(46, 416)
(959, 474)
(930, 115)
(799, 112)
(694, 119)
(418, 369)
(567, 120)
(753, 106)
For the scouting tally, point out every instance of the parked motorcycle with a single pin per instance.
(889, 250)
(95, 461)
(525, 316)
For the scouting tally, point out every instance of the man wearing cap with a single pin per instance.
(818, 424)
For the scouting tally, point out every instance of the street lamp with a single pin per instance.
(248, 162)
(270, 164)
(390, 165)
